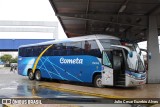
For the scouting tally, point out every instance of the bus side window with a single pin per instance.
(21, 53)
(62, 50)
(24, 52)
(91, 48)
(69, 49)
(77, 48)
(29, 52)
(50, 51)
(55, 50)
(36, 50)
(87, 47)
(43, 48)
(97, 53)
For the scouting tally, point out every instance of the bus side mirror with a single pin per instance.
(131, 54)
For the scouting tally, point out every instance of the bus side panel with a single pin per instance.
(48, 68)
(71, 68)
(24, 63)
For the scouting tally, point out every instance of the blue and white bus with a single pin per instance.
(97, 59)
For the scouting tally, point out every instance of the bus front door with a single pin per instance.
(118, 68)
(113, 68)
(107, 72)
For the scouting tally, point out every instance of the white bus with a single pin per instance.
(97, 59)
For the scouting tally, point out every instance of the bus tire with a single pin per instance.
(30, 75)
(38, 75)
(98, 81)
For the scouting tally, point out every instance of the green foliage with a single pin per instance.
(6, 58)
(14, 60)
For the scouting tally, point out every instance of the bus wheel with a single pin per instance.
(98, 81)
(38, 75)
(30, 75)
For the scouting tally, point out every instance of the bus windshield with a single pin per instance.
(132, 46)
(106, 43)
(140, 66)
(136, 65)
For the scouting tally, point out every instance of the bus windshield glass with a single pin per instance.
(137, 48)
(140, 66)
(132, 46)
(106, 43)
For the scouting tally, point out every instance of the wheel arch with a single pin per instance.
(94, 75)
(29, 70)
(37, 70)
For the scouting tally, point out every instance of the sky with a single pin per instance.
(28, 10)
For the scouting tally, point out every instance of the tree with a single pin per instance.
(14, 60)
(6, 58)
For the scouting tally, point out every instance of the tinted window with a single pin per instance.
(106, 43)
(62, 49)
(77, 48)
(91, 48)
(58, 49)
(37, 50)
(22, 52)
(48, 52)
(69, 48)
(74, 48)
(31, 51)
(28, 52)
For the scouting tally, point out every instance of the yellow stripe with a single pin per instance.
(82, 92)
(37, 60)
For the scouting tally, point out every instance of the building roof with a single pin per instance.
(122, 18)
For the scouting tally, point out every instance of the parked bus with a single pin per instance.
(97, 59)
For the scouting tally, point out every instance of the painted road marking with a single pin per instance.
(82, 92)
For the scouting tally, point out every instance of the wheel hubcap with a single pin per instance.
(99, 82)
(30, 74)
(37, 76)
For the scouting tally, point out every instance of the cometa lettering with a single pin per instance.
(71, 61)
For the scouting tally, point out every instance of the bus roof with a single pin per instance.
(74, 39)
